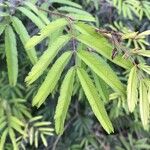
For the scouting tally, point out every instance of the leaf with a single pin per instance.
(82, 17)
(44, 140)
(16, 120)
(45, 32)
(46, 59)
(144, 105)
(66, 2)
(35, 118)
(96, 41)
(11, 55)
(38, 124)
(31, 135)
(144, 67)
(102, 69)
(37, 12)
(101, 87)
(64, 101)
(36, 138)
(24, 36)
(13, 138)
(132, 93)
(3, 138)
(73, 10)
(51, 79)
(145, 33)
(93, 98)
(36, 20)
(145, 53)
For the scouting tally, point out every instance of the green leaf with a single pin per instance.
(36, 11)
(51, 79)
(46, 59)
(132, 92)
(73, 10)
(101, 87)
(64, 101)
(24, 36)
(16, 120)
(44, 140)
(45, 32)
(94, 100)
(31, 135)
(99, 43)
(13, 138)
(102, 69)
(145, 53)
(36, 138)
(36, 20)
(3, 138)
(145, 68)
(82, 17)
(11, 55)
(144, 105)
(38, 124)
(35, 118)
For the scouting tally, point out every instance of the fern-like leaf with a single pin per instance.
(99, 43)
(11, 55)
(132, 93)
(24, 36)
(46, 58)
(102, 69)
(46, 31)
(94, 100)
(64, 101)
(51, 79)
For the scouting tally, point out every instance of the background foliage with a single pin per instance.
(51, 50)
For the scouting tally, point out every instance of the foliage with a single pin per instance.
(57, 50)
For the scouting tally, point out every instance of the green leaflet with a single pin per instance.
(94, 100)
(102, 69)
(51, 79)
(37, 12)
(145, 53)
(64, 101)
(11, 55)
(73, 10)
(46, 31)
(46, 58)
(144, 105)
(82, 17)
(99, 43)
(13, 138)
(66, 2)
(3, 138)
(132, 92)
(24, 36)
(101, 87)
(38, 22)
(145, 68)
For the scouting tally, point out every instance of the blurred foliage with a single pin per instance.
(25, 127)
